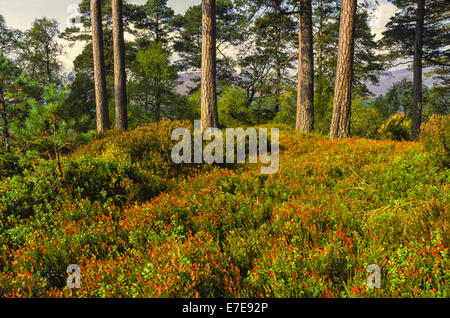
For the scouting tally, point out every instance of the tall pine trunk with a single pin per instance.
(208, 81)
(418, 53)
(4, 114)
(158, 94)
(278, 58)
(120, 76)
(305, 91)
(278, 85)
(340, 123)
(320, 107)
(99, 67)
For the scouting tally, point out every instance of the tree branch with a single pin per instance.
(436, 62)
(287, 61)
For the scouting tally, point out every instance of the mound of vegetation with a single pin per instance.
(138, 227)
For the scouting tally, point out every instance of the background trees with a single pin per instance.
(274, 35)
(40, 52)
(45, 132)
(258, 81)
(188, 38)
(420, 30)
(9, 39)
(154, 23)
(152, 85)
(12, 82)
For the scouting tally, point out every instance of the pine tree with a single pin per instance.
(325, 41)
(305, 90)
(208, 81)
(271, 38)
(146, 23)
(368, 62)
(13, 95)
(340, 124)
(276, 28)
(417, 78)
(188, 39)
(152, 84)
(120, 77)
(44, 132)
(154, 23)
(84, 73)
(420, 30)
(99, 67)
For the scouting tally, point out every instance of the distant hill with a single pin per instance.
(187, 81)
(386, 82)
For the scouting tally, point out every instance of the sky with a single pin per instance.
(19, 14)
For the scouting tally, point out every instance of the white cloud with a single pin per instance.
(383, 14)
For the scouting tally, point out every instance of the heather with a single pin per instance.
(140, 226)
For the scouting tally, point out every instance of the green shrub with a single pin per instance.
(9, 165)
(288, 112)
(99, 180)
(147, 147)
(398, 128)
(366, 120)
(84, 177)
(435, 136)
(34, 191)
(233, 109)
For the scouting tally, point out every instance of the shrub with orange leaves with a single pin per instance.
(311, 230)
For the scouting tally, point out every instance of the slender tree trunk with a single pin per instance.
(47, 66)
(158, 94)
(320, 44)
(277, 53)
(340, 124)
(120, 77)
(278, 87)
(278, 73)
(5, 123)
(320, 107)
(158, 105)
(6, 132)
(305, 91)
(99, 67)
(108, 41)
(208, 81)
(58, 160)
(418, 53)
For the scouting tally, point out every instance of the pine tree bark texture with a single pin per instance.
(340, 123)
(99, 67)
(120, 77)
(208, 78)
(418, 53)
(305, 90)
(5, 123)
(158, 95)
